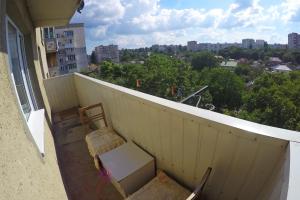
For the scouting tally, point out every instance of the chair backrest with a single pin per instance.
(198, 191)
(92, 113)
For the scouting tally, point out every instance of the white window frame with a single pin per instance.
(35, 120)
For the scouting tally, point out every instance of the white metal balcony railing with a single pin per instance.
(249, 160)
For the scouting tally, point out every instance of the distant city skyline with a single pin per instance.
(142, 23)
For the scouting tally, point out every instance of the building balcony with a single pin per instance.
(248, 160)
(51, 45)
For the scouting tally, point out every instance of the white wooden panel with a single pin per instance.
(166, 139)
(153, 117)
(264, 165)
(294, 177)
(241, 166)
(206, 152)
(225, 152)
(177, 144)
(276, 188)
(146, 130)
(190, 143)
(61, 93)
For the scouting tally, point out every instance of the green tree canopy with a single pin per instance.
(203, 60)
(274, 100)
(225, 87)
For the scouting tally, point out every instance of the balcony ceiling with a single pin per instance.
(51, 12)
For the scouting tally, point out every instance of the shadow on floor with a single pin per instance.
(82, 180)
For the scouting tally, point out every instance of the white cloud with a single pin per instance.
(132, 23)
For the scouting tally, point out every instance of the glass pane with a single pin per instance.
(16, 69)
(51, 32)
(25, 68)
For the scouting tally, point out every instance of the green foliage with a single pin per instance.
(157, 76)
(247, 73)
(225, 87)
(93, 58)
(292, 56)
(203, 60)
(274, 100)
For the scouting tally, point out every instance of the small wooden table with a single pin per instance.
(129, 167)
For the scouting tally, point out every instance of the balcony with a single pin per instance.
(51, 45)
(249, 160)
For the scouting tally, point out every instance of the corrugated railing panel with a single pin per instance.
(245, 157)
(61, 92)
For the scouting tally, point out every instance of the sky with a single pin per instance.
(142, 23)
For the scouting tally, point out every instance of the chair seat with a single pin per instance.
(161, 187)
(102, 140)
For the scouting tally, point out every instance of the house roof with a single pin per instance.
(281, 68)
(229, 63)
(275, 59)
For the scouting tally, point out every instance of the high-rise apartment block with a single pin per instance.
(107, 53)
(248, 43)
(66, 49)
(294, 41)
(192, 46)
(259, 44)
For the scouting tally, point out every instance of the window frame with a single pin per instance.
(35, 120)
(24, 71)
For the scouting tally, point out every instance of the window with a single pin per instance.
(51, 32)
(71, 57)
(22, 84)
(68, 33)
(72, 66)
(70, 41)
(46, 33)
(18, 70)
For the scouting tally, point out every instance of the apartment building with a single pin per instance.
(192, 46)
(107, 53)
(293, 41)
(260, 44)
(66, 49)
(248, 43)
(278, 46)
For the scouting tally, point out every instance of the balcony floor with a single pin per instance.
(81, 179)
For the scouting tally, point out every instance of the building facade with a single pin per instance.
(260, 44)
(29, 164)
(107, 53)
(248, 43)
(293, 41)
(66, 49)
(192, 46)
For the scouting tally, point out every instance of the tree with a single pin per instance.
(93, 58)
(203, 60)
(274, 100)
(225, 87)
(247, 73)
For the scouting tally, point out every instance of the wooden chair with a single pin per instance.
(162, 187)
(96, 112)
(103, 139)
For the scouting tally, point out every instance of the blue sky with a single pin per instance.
(140, 23)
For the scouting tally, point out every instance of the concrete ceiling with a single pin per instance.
(52, 12)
